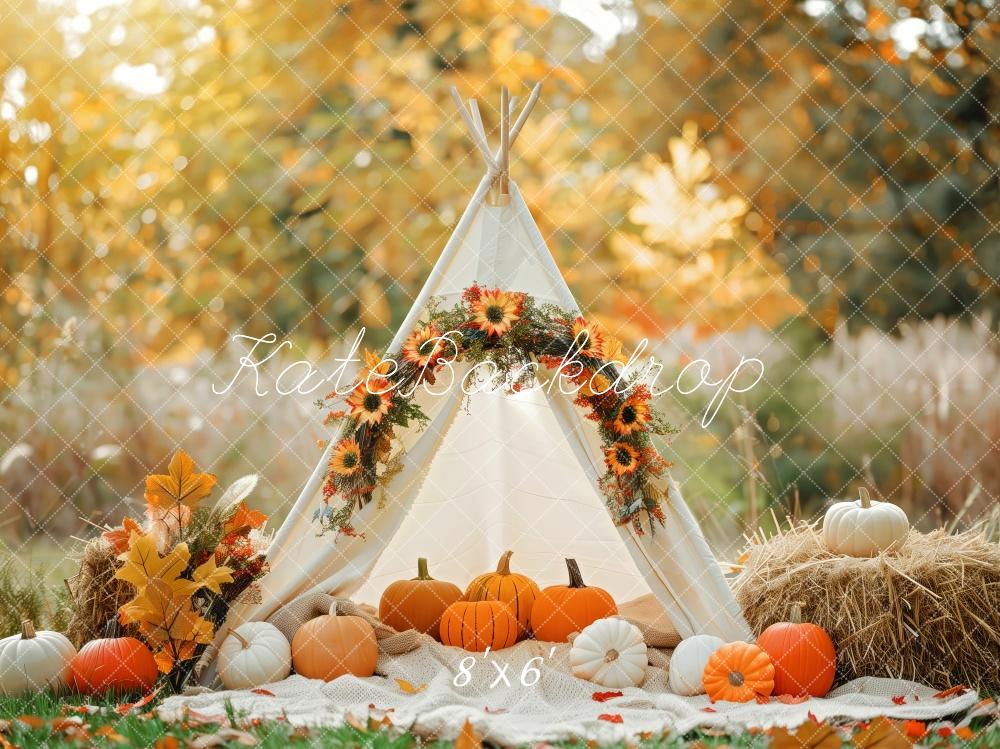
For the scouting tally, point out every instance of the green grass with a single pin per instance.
(142, 729)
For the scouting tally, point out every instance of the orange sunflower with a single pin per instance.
(419, 349)
(346, 457)
(496, 311)
(622, 458)
(370, 406)
(633, 415)
(592, 343)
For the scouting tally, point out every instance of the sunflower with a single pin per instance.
(622, 458)
(419, 349)
(633, 415)
(346, 457)
(496, 311)
(589, 337)
(369, 407)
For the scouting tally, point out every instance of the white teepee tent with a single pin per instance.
(504, 471)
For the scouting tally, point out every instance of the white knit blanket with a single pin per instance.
(549, 705)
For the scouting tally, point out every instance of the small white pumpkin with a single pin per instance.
(34, 661)
(253, 654)
(687, 663)
(610, 652)
(864, 528)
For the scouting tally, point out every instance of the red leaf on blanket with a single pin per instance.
(611, 717)
(709, 710)
(790, 699)
(899, 700)
(956, 691)
(263, 692)
(812, 716)
(128, 707)
(605, 696)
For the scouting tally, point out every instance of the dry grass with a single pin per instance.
(930, 612)
(96, 593)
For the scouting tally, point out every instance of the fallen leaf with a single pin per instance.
(468, 738)
(356, 724)
(495, 710)
(945, 732)
(31, 721)
(790, 699)
(129, 706)
(408, 688)
(167, 742)
(224, 736)
(109, 733)
(881, 733)
(809, 735)
(263, 692)
(709, 710)
(899, 700)
(965, 733)
(956, 691)
(605, 696)
(611, 717)
(914, 728)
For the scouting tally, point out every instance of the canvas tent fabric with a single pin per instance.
(491, 472)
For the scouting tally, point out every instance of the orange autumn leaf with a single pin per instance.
(810, 735)
(468, 738)
(611, 717)
(881, 733)
(118, 538)
(180, 486)
(408, 688)
(244, 519)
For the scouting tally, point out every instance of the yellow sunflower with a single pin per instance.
(370, 406)
(632, 416)
(496, 311)
(417, 347)
(622, 458)
(346, 457)
(591, 343)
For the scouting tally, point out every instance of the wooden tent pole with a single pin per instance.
(502, 196)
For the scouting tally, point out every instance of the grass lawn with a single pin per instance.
(41, 720)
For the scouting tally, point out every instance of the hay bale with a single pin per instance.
(96, 594)
(929, 613)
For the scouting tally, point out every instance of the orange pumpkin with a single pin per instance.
(476, 625)
(739, 672)
(417, 603)
(803, 655)
(116, 664)
(560, 610)
(520, 591)
(330, 646)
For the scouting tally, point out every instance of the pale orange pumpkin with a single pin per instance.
(560, 610)
(803, 655)
(330, 646)
(476, 625)
(418, 603)
(520, 591)
(739, 672)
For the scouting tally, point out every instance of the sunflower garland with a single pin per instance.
(511, 331)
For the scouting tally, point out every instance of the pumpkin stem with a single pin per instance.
(575, 576)
(736, 678)
(27, 629)
(243, 641)
(795, 613)
(611, 656)
(422, 572)
(503, 566)
(866, 500)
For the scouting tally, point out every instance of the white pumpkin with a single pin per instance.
(34, 661)
(687, 663)
(610, 652)
(253, 654)
(864, 528)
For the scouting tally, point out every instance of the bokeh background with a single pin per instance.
(811, 183)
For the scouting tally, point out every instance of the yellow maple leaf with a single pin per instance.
(142, 562)
(206, 575)
(181, 485)
(169, 622)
